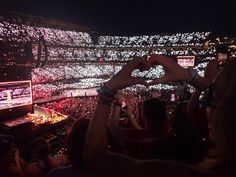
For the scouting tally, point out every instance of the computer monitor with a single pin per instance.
(15, 99)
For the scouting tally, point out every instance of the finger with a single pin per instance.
(144, 64)
(161, 60)
(138, 81)
(138, 63)
(160, 80)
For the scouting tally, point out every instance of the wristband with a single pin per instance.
(106, 94)
(107, 91)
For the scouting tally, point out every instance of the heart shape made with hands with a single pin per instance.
(172, 71)
(142, 72)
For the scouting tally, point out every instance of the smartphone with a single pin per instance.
(147, 58)
(221, 59)
(172, 97)
(123, 104)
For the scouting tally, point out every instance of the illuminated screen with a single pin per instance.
(186, 61)
(15, 94)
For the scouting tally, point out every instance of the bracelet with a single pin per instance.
(106, 94)
(114, 91)
(107, 91)
(193, 76)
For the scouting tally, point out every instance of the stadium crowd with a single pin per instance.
(65, 46)
(82, 107)
(12, 32)
(141, 126)
(130, 132)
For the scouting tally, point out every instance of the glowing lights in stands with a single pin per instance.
(105, 60)
(179, 39)
(25, 33)
(93, 63)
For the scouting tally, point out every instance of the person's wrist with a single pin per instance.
(112, 85)
(107, 91)
(106, 94)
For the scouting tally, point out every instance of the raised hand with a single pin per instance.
(173, 72)
(124, 79)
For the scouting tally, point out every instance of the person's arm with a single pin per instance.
(96, 155)
(193, 103)
(193, 108)
(114, 127)
(174, 72)
(17, 164)
(132, 119)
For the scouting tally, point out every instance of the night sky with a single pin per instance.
(124, 17)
